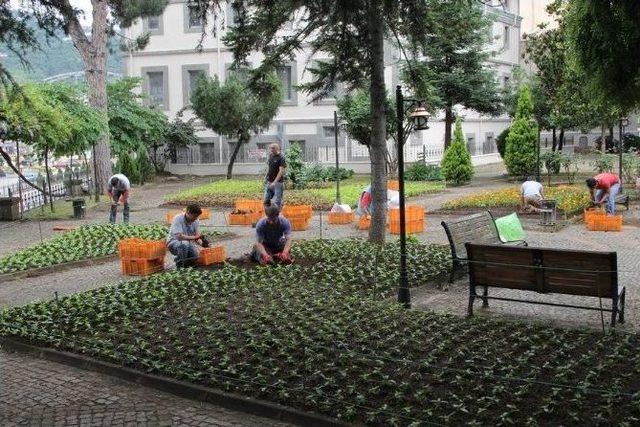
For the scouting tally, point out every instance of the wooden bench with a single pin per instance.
(569, 272)
(476, 228)
(622, 199)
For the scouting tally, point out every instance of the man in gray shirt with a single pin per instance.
(118, 189)
(185, 237)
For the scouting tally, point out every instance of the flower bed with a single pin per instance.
(326, 338)
(223, 193)
(86, 242)
(570, 199)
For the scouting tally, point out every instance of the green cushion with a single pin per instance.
(510, 228)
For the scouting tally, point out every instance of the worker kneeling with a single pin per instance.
(273, 238)
(185, 237)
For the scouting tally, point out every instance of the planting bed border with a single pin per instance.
(35, 272)
(231, 401)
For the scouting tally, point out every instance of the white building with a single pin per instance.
(170, 64)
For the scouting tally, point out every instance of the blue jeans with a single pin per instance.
(185, 252)
(277, 191)
(611, 201)
(114, 208)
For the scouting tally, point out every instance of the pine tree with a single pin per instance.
(146, 171)
(128, 167)
(520, 155)
(456, 163)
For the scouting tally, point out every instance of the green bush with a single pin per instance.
(456, 163)
(520, 153)
(421, 172)
(501, 142)
(552, 161)
(319, 173)
(146, 171)
(295, 166)
(603, 163)
(128, 167)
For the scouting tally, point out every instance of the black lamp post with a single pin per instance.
(624, 122)
(420, 118)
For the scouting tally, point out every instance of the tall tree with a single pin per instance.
(236, 109)
(605, 36)
(93, 48)
(452, 70)
(351, 34)
(520, 154)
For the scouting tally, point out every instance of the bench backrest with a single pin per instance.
(584, 273)
(477, 228)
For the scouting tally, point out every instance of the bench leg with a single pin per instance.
(485, 300)
(614, 311)
(621, 308)
(472, 297)
(452, 273)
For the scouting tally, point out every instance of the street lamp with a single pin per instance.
(624, 122)
(420, 118)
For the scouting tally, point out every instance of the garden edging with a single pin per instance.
(231, 401)
(35, 272)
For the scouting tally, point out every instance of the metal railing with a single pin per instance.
(32, 198)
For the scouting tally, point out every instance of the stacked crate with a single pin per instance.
(298, 215)
(341, 217)
(140, 257)
(246, 212)
(414, 219)
(597, 220)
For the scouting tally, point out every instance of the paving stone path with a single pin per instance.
(38, 392)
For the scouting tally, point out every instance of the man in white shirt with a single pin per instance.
(185, 237)
(531, 195)
(118, 190)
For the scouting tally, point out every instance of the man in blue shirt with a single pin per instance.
(273, 238)
(184, 237)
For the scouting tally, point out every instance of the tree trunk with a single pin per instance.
(610, 136)
(242, 138)
(94, 54)
(561, 139)
(46, 168)
(554, 141)
(448, 121)
(377, 232)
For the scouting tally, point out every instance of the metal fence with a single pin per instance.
(32, 198)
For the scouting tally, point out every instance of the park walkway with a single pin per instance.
(39, 390)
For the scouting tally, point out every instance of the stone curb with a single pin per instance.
(35, 272)
(231, 401)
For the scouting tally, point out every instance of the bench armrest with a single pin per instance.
(517, 243)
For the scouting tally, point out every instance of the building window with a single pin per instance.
(506, 5)
(241, 73)
(156, 86)
(233, 17)
(471, 143)
(287, 84)
(190, 76)
(207, 152)
(152, 25)
(192, 18)
(506, 36)
(328, 132)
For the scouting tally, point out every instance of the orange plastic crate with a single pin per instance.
(141, 249)
(340, 217)
(591, 213)
(393, 185)
(299, 224)
(364, 223)
(206, 214)
(213, 255)
(249, 205)
(412, 226)
(411, 213)
(297, 211)
(141, 267)
(241, 218)
(605, 223)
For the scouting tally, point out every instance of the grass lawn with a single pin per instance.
(326, 335)
(63, 209)
(570, 199)
(222, 193)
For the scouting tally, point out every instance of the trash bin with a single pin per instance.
(79, 208)
(548, 212)
(9, 208)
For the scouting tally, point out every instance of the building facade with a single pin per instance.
(170, 65)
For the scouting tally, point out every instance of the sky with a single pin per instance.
(81, 4)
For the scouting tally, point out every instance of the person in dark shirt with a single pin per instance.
(273, 238)
(274, 187)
